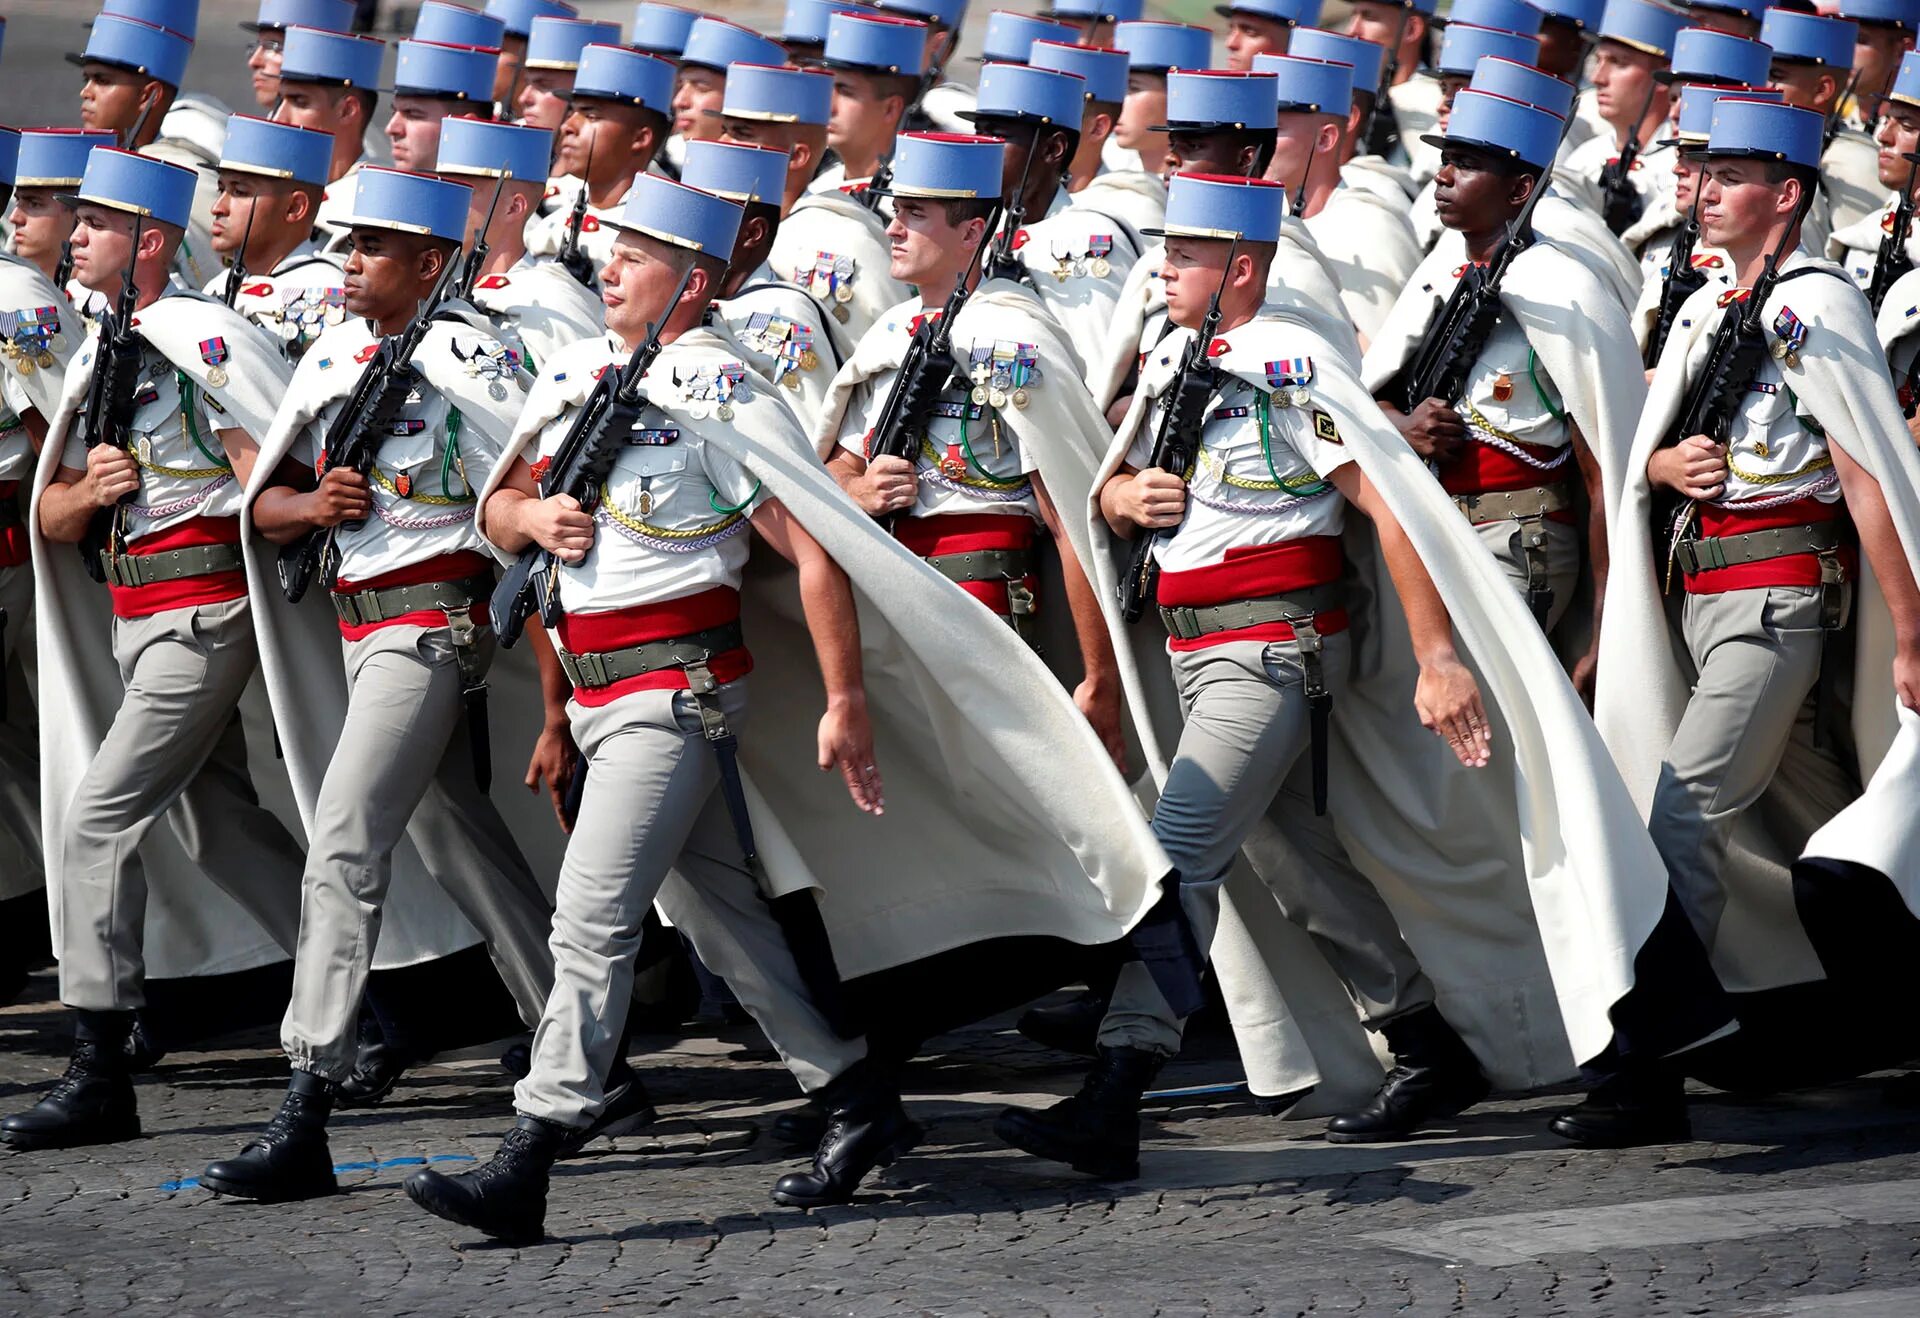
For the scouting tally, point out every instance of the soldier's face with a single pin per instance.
(602, 132)
(1470, 194)
(40, 224)
(1194, 268)
(1737, 205)
(540, 103)
(1622, 77)
(1805, 85)
(698, 91)
(387, 273)
(1145, 106)
(506, 73)
(110, 98)
(860, 113)
(263, 62)
(1300, 138)
(1898, 134)
(640, 275)
(1451, 85)
(413, 130)
(1563, 49)
(1381, 23)
(1248, 36)
(1209, 153)
(921, 242)
(102, 247)
(1686, 181)
(309, 105)
(1877, 48)
(244, 199)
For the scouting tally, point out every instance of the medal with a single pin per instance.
(790, 380)
(403, 485)
(840, 312)
(646, 496)
(143, 449)
(953, 466)
(1061, 271)
(1502, 387)
(497, 392)
(1100, 266)
(58, 343)
(1020, 397)
(1079, 266)
(724, 411)
(217, 377)
(23, 364)
(843, 293)
(1300, 396)
(1283, 398)
(214, 352)
(997, 397)
(809, 359)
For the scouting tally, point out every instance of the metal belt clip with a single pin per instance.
(1532, 535)
(700, 681)
(1833, 593)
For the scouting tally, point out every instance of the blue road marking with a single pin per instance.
(189, 1182)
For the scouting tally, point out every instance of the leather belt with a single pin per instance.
(1514, 505)
(1010, 566)
(361, 607)
(592, 669)
(1713, 552)
(169, 564)
(1191, 623)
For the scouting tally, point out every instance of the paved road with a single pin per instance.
(1799, 1207)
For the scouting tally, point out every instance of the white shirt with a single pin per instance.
(1531, 410)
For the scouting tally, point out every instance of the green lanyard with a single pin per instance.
(185, 385)
(1533, 361)
(451, 454)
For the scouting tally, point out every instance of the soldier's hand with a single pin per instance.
(888, 485)
(1913, 427)
(555, 759)
(561, 527)
(1696, 467)
(1586, 669)
(343, 496)
(1906, 677)
(112, 474)
(1100, 703)
(1154, 499)
(846, 743)
(1448, 701)
(1432, 428)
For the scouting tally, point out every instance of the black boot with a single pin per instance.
(866, 1128)
(517, 1060)
(1434, 1075)
(93, 1102)
(290, 1160)
(1071, 1027)
(144, 1049)
(1096, 1131)
(378, 1065)
(802, 1127)
(507, 1197)
(1633, 1106)
(627, 1109)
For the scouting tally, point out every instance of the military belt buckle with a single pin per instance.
(1181, 623)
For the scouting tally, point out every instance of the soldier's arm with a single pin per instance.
(295, 503)
(71, 499)
(826, 597)
(518, 517)
(1880, 541)
(555, 757)
(884, 485)
(1098, 694)
(1446, 696)
(1585, 667)
(242, 453)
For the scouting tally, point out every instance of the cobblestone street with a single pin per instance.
(1803, 1205)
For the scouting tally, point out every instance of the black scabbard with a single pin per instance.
(479, 736)
(1319, 711)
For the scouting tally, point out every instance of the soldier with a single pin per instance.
(1548, 405)
(1074, 258)
(553, 57)
(330, 82)
(875, 62)
(700, 88)
(1737, 18)
(614, 131)
(271, 178)
(1359, 166)
(1752, 519)
(1154, 50)
(1857, 247)
(938, 100)
(1566, 39)
(1462, 47)
(1135, 198)
(270, 38)
(776, 327)
(1248, 589)
(406, 581)
(641, 700)
(1262, 27)
(133, 73)
(1885, 33)
(1636, 44)
(517, 18)
(1094, 20)
(182, 636)
(1367, 240)
(40, 337)
(1812, 67)
(536, 307)
(431, 82)
(1413, 98)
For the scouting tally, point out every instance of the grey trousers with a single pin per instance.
(21, 866)
(1242, 747)
(404, 766)
(176, 749)
(1757, 656)
(1563, 560)
(651, 805)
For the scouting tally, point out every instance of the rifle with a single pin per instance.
(1622, 203)
(1892, 261)
(1177, 445)
(1001, 262)
(63, 268)
(924, 371)
(477, 254)
(1832, 124)
(237, 272)
(1381, 132)
(110, 407)
(1682, 280)
(578, 265)
(1456, 336)
(356, 434)
(579, 468)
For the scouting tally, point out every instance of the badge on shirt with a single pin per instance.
(1324, 429)
(1003, 372)
(712, 390)
(652, 437)
(1791, 335)
(1288, 379)
(214, 352)
(786, 341)
(830, 279)
(29, 338)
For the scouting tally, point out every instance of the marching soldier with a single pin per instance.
(830, 243)
(330, 83)
(1747, 495)
(271, 178)
(204, 383)
(700, 87)
(1075, 259)
(40, 336)
(775, 326)
(517, 18)
(1547, 408)
(1401, 27)
(1885, 33)
(433, 82)
(553, 57)
(1636, 44)
(1857, 247)
(536, 307)
(444, 23)
(1248, 587)
(1359, 166)
(1094, 20)
(1154, 50)
(406, 578)
(1462, 47)
(1262, 27)
(1812, 61)
(653, 643)
(1135, 198)
(133, 73)
(939, 105)
(1736, 18)
(1567, 30)
(616, 127)
(875, 61)
(1367, 240)
(270, 38)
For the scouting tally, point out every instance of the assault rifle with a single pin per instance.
(1892, 261)
(1682, 281)
(110, 406)
(1381, 132)
(579, 468)
(357, 431)
(577, 263)
(237, 272)
(923, 373)
(1621, 202)
(1177, 444)
(477, 254)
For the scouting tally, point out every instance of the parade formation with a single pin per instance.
(1402, 525)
